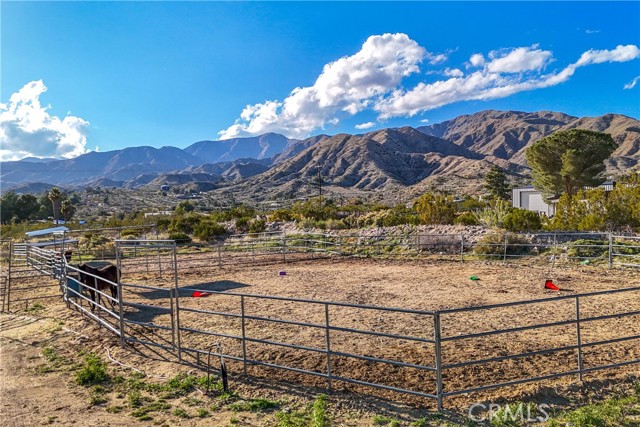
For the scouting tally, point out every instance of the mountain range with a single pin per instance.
(452, 155)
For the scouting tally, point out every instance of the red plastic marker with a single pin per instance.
(197, 294)
(549, 285)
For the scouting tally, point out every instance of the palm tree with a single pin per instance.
(67, 209)
(55, 195)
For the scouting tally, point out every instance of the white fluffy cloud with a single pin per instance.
(367, 125)
(477, 60)
(27, 128)
(519, 60)
(372, 79)
(505, 75)
(345, 86)
(453, 72)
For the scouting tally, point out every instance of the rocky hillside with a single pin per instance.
(507, 134)
(453, 155)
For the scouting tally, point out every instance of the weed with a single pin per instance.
(254, 405)
(381, 420)
(314, 415)
(420, 422)
(94, 371)
(115, 409)
(319, 417)
(234, 421)
(50, 354)
(158, 406)
(181, 413)
(180, 385)
(191, 401)
(51, 420)
(202, 413)
(35, 308)
(145, 417)
(97, 399)
(610, 413)
(134, 399)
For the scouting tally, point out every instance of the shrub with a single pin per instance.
(281, 215)
(493, 245)
(94, 371)
(242, 223)
(257, 226)
(435, 209)
(522, 220)
(494, 214)
(242, 212)
(185, 223)
(317, 209)
(466, 218)
(180, 237)
(207, 230)
(588, 248)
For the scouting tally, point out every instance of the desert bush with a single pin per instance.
(317, 209)
(588, 248)
(522, 220)
(493, 245)
(466, 218)
(180, 237)
(493, 215)
(242, 224)
(281, 215)
(435, 208)
(208, 230)
(257, 226)
(185, 223)
(93, 371)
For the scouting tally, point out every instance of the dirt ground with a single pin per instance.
(417, 285)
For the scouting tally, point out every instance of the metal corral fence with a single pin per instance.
(599, 249)
(416, 352)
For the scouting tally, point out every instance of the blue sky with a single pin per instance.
(81, 75)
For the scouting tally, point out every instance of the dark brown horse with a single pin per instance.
(110, 273)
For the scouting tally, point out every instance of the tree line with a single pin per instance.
(55, 204)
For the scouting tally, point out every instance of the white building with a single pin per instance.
(531, 199)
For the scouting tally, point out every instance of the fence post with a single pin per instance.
(219, 253)
(438, 351)
(284, 247)
(8, 289)
(177, 293)
(173, 321)
(461, 247)
(610, 251)
(244, 334)
(119, 287)
(579, 339)
(328, 339)
(504, 258)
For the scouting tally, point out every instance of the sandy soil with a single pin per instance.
(415, 285)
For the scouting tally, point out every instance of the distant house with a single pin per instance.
(531, 199)
(164, 187)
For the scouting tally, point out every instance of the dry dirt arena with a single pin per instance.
(416, 285)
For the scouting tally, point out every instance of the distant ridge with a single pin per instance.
(451, 155)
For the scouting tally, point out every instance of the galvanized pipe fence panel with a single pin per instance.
(167, 318)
